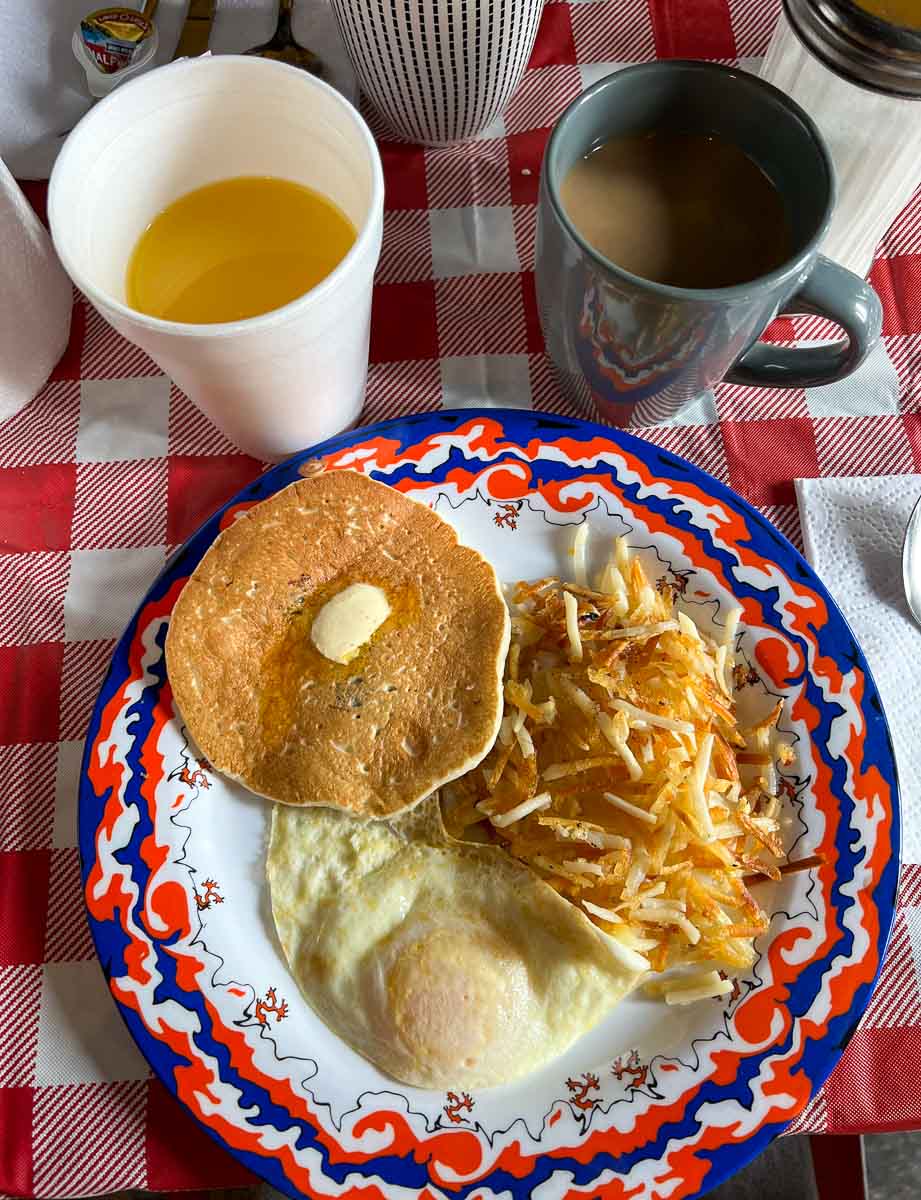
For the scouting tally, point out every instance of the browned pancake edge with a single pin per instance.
(420, 704)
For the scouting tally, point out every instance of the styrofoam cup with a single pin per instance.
(274, 383)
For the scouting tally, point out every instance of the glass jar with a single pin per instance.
(857, 72)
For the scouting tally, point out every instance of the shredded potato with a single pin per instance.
(622, 777)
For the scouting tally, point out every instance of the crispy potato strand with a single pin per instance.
(624, 779)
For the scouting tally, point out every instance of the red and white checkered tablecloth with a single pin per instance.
(111, 467)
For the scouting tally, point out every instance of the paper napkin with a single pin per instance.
(43, 88)
(853, 530)
(35, 300)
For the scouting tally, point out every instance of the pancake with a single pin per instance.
(370, 728)
(449, 965)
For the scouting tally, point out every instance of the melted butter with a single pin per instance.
(294, 665)
(348, 620)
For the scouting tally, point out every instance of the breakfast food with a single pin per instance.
(234, 249)
(337, 646)
(601, 812)
(622, 778)
(446, 965)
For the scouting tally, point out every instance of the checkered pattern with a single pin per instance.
(110, 468)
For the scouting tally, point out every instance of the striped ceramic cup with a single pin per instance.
(438, 71)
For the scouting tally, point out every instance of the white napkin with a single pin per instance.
(853, 530)
(43, 88)
(35, 300)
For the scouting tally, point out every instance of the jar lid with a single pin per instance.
(863, 41)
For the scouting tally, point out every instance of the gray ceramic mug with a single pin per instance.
(640, 349)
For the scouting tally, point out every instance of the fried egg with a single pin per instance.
(446, 964)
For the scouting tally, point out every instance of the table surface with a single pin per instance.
(111, 467)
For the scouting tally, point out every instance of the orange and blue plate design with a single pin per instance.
(649, 1104)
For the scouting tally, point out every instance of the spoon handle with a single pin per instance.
(196, 31)
(911, 562)
(283, 28)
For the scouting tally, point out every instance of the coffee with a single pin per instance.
(684, 209)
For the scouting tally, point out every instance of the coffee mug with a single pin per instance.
(439, 72)
(272, 383)
(639, 349)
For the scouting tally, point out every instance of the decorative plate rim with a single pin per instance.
(517, 426)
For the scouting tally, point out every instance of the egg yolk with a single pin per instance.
(454, 995)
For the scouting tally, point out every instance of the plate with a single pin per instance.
(654, 1101)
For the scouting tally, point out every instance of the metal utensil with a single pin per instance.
(911, 562)
(282, 46)
(193, 40)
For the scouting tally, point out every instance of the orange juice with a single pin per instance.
(897, 12)
(235, 249)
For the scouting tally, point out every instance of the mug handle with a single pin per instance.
(830, 291)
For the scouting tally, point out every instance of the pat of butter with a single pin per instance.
(348, 620)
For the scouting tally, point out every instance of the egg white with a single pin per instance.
(447, 964)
